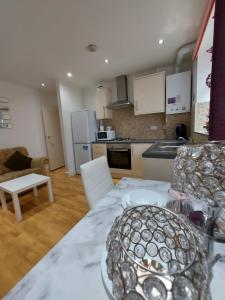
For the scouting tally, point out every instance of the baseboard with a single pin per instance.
(70, 173)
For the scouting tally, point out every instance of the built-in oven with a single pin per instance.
(119, 156)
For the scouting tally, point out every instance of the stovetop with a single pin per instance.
(121, 140)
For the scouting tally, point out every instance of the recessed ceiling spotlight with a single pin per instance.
(161, 41)
(69, 74)
(106, 60)
(43, 84)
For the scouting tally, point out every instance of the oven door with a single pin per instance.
(119, 158)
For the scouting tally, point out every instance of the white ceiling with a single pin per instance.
(40, 40)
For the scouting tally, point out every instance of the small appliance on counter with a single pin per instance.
(106, 135)
(181, 132)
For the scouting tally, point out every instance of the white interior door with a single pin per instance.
(53, 136)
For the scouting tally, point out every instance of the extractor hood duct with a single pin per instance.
(182, 51)
(122, 94)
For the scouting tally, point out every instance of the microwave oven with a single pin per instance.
(106, 135)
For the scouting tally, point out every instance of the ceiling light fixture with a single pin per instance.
(106, 60)
(43, 84)
(69, 74)
(161, 41)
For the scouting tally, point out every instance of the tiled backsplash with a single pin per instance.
(127, 124)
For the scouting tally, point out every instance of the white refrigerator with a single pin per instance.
(84, 128)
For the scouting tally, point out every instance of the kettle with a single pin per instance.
(181, 131)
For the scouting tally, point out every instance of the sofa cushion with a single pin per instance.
(6, 153)
(18, 162)
(15, 174)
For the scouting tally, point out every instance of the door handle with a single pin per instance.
(118, 150)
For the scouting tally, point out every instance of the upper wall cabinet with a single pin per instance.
(103, 98)
(149, 94)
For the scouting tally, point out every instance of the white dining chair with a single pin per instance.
(97, 179)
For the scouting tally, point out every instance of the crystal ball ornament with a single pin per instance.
(148, 249)
(156, 239)
(199, 170)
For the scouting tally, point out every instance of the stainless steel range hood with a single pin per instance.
(122, 94)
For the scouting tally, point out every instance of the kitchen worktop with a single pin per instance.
(134, 141)
(162, 149)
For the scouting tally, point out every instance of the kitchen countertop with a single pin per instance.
(133, 141)
(163, 150)
(71, 270)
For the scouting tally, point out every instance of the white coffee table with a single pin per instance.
(21, 184)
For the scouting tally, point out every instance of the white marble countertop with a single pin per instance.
(71, 270)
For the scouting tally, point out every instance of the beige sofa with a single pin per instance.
(38, 165)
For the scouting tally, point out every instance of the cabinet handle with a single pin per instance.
(132, 151)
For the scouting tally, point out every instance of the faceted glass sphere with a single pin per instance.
(153, 242)
(152, 255)
(199, 170)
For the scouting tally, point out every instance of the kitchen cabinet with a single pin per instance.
(158, 169)
(136, 158)
(149, 94)
(99, 150)
(103, 99)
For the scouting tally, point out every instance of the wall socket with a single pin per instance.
(156, 127)
(153, 127)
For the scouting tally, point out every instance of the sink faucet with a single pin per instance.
(189, 140)
(182, 138)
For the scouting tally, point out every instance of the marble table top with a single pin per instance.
(71, 269)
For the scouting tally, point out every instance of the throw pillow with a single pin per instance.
(18, 162)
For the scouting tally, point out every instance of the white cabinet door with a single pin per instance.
(136, 158)
(149, 94)
(103, 98)
(99, 150)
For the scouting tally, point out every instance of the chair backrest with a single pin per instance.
(97, 179)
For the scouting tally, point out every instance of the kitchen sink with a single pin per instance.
(169, 147)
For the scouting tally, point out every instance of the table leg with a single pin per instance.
(3, 200)
(16, 205)
(50, 194)
(35, 192)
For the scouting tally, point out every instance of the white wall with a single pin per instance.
(204, 62)
(25, 109)
(89, 97)
(70, 99)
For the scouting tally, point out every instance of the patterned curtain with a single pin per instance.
(217, 98)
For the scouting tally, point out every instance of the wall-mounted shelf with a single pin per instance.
(5, 118)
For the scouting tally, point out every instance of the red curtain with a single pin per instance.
(217, 98)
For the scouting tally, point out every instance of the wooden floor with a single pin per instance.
(23, 244)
